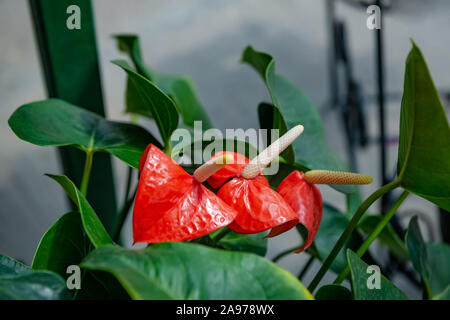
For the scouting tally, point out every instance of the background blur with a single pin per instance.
(204, 39)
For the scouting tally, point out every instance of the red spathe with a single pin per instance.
(171, 205)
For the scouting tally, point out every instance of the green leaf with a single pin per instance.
(256, 242)
(54, 122)
(438, 259)
(62, 245)
(417, 251)
(161, 106)
(269, 118)
(196, 149)
(360, 277)
(91, 223)
(180, 88)
(65, 244)
(387, 237)
(18, 282)
(333, 292)
(424, 147)
(191, 271)
(311, 149)
(331, 227)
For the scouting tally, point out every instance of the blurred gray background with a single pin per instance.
(205, 38)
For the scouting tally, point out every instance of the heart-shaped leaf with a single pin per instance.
(62, 245)
(333, 292)
(54, 122)
(161, 106)
(190, 271)
(294, 107)
(18, 282)
(180, 88)
(91, 223)
(424, 148)
(361, 277)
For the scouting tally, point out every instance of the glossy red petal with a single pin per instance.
(228, 171)
(171, 206)
(305, 199)
(259, 207)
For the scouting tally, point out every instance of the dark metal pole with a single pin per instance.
(381, 115)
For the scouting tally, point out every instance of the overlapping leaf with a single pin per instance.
(180, 88)
(294, 107)
(191, 271)
(18, 282)
(360, 278)
(91, 223)
(54, 122)
(431, 261)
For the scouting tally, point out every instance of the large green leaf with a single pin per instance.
(18, 282)
(311, 149)
(62, 245)
(91, 223)
(256, 242)
(331, 227)
(388, 237)
(65, 244)
(191, 271)
(424, 147)
(161, 106)
(359, 277)
(180, 88)
(54, 122)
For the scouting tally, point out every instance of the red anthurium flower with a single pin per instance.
(259, 207)
(172, 205)
(305, 199)
(230, 170)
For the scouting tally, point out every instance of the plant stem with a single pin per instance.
(86, 172)
(348, 231)
(123, 215)
(284, 253)
(128, 185)
(220, 234)
(306, 267)
(374, 234)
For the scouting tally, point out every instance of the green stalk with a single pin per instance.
(374, 234)
(123, 215)
(86, 172)
(348, 231)
(306, 267)
(284, 253)
(220, 234)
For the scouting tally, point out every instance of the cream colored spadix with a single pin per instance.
(336, 177)
(257, 164)
(212, 166)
